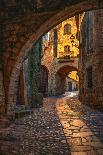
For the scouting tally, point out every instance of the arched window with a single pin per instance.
(67, 49)
(67, 29)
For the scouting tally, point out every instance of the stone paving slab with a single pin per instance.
(62, 127)
(83, 129)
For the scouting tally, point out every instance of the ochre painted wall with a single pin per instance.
(64, 39)
(73, 75)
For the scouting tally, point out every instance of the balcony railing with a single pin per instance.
(66, 58)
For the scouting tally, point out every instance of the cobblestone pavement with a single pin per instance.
(40, 133)
(62, 127)
(82, 125)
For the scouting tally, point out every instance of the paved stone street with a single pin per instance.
(62, 127)
(82, 126)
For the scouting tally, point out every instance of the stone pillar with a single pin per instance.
(57, 84)
(60, 84)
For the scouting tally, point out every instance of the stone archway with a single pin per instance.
(56, 19)
(61, 75)
(66, 69)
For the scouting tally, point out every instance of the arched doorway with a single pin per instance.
(44, 81)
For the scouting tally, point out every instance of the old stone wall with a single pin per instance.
(91, 55)
(20, 92)
(2, 91)
(54, 59)
(60, 84)
(2, 95)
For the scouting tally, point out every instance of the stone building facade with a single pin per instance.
(59, 55)
(91, 58)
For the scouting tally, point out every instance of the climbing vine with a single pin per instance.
(34, 74)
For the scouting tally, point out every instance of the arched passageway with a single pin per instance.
(49, 21)
(61, 75)
(14, 57)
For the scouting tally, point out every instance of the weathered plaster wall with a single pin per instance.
(64, 39)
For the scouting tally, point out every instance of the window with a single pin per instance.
(89, 77)
(67, 49)
(67, 29)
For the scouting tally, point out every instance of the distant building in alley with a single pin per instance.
(60, 57)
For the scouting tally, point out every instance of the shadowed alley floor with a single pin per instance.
(63, 126)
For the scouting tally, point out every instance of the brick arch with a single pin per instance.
(64, 70)
(50, 23)
(72, 64)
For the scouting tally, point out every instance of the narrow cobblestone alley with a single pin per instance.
(62, 127)
(51, 77)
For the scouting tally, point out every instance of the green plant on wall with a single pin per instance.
(34, 63)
